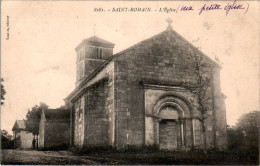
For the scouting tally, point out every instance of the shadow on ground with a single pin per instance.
(126, 158)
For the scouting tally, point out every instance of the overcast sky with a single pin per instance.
(38, 60)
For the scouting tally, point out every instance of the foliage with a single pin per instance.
(3, 92)
(33, 118)
(244, 137)
(6, 140)
(249, 125)
(235, 139)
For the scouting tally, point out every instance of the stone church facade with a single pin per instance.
(135, 97)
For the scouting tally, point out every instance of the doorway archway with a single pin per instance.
(170, 123)
(169, 127)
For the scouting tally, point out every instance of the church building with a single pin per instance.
(135, 97)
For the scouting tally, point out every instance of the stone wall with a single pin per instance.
(110, 103)
(129, 105)
(91, 65)
(79, 124)
(23, 139)
(57, 133)
(160, 95)
(96, 115)
(166, 59)
(91, 52)
(220, 112)
(90, 62)
(26, 139)
(96, 127)
(41, 131)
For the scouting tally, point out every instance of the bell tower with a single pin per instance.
(91, 53)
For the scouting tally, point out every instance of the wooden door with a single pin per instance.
(168, 135)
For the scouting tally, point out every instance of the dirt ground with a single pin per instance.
(32, 157)
(10, 156)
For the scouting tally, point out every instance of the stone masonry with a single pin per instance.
(135, 98)
(54, 129)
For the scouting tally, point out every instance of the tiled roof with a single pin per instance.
(19, 125)
(95, 41)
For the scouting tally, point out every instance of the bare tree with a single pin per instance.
(198, 88)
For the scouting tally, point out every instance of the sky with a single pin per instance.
(38, 60)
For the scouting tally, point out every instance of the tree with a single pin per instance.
(6, 140)
(33, 118)
(249, 126)
(243, 138)
(198, 88)
(235, 138)
(3, 92)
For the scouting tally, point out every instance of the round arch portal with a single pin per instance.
(172, 112)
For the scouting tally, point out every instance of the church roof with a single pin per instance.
(169, 29)
(95, 41)
(19, 125)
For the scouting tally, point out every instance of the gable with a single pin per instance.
(165, 59)
(163, 50)
(18, 125)
(166, 42)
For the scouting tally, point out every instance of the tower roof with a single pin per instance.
(95, 41)
(167, 32)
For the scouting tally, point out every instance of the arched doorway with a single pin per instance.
(169, 129)
(170, 123)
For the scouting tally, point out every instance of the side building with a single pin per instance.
(22, 138)
(54, 129)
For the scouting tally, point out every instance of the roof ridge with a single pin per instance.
(137, 44)
(131, 47)
(196, 48)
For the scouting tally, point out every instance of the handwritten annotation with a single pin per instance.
(206, 7)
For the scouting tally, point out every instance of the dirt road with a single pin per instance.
(11, 156)
(30, 157)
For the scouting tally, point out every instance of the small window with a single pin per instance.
(82, 53)
(99, 53)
